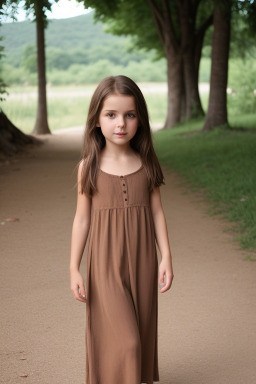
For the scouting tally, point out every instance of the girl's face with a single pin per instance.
(118, 119)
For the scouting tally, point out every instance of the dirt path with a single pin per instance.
(207, 321)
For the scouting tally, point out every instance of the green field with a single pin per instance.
(223, 162)
(68, 105)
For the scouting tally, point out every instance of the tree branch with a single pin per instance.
(178, 3)
(156, 11)
(169, 25)
(208, 22)
(196, 3)
(158, 19)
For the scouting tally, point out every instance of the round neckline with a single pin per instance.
(128, 174)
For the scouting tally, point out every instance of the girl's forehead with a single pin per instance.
(114, 101)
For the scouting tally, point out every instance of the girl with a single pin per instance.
(119, 202)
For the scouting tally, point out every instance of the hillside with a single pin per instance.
(61, 33)
(73, 35)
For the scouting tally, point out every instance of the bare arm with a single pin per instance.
(80, 231)
(165, 267)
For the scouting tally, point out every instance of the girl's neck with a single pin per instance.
(116, 152)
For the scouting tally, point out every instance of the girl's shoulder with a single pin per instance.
(82, 163)
(81, 167)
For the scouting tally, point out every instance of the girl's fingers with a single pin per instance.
(77, 295)
(75, 292)
(167, 284)
(161, 277)
(82, 293)
(161, 280)
(82, 290)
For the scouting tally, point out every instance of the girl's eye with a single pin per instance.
(110, 114)
(130, 115)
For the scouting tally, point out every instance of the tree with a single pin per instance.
(217, 110)
(176, 30)
(38, 8)
(176, 22)
(12, 140)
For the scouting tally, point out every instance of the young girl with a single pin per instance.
(119, 202)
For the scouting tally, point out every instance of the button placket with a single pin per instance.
(124, 189)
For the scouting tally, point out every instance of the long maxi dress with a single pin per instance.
(121, 283)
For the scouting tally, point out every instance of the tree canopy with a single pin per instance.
(175, 29)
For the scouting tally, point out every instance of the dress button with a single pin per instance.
(123, 185)
(124, 191)
(125, 199)
(121, 177)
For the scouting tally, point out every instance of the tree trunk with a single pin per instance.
(217, 109)
(198, 53)
(176, 27)
(183, 99)
(193, 102)
(187, 16)
(174, 78)
(41, 125)
(199, 40)
(12, 140)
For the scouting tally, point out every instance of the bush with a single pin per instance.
(242, 86)
(93, 73)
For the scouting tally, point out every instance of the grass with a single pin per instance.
(223, 162)
(67, 106)
(243, 122)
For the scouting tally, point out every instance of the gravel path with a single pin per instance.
(207, 321)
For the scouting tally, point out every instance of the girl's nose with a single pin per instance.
(120, 122)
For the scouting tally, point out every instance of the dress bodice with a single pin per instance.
(114, 191)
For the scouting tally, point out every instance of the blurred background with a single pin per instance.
(80, 52)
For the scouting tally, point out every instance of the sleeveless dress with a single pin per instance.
(121, 283)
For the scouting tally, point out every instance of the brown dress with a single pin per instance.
(121, 283)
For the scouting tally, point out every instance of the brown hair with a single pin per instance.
(94, 140)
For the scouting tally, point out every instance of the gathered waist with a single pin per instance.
(121, 207)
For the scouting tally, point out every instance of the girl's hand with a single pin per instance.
(76, 282)
(166, 275)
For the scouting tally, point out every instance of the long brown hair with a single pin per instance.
(94, 140)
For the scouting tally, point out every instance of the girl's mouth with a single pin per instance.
(120, 134)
